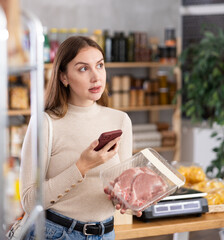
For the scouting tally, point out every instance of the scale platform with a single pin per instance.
(183, 202)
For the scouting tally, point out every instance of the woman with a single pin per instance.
(76, 101)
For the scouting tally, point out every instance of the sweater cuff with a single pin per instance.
(57, 188)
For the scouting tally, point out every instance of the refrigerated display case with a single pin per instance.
(35, 68)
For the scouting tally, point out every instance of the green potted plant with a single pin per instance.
(203, 89)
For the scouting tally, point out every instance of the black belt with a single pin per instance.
(86, 229)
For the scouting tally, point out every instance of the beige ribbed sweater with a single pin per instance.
(66, 191)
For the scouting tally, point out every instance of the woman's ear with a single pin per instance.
(64, 79)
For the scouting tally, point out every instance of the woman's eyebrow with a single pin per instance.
(81, 63)
(100, 60)
(87, 63)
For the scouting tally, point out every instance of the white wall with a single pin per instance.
(197, 144)
(151, 16)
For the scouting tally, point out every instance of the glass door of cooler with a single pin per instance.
(10, 205)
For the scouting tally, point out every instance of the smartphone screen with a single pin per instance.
(107, 137)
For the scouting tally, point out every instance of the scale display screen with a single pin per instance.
(174, 208)
(183, 202)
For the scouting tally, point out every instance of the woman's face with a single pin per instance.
(86, 77)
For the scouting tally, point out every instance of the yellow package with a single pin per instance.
(193, 174)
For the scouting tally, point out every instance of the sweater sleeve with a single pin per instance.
(53, 187)
(125, 148)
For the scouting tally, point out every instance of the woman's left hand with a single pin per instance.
(119, 205)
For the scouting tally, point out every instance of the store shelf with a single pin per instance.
(153, 109)
(48, 66)
(137, 64)
(18, 70)
(127, 65)
(148, 108)
(25, 112)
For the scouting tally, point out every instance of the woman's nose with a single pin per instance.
(94, 76)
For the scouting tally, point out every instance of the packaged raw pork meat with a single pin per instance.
(142, 180)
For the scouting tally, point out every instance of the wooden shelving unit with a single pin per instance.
(26, 112)
(148, 108)
(154, 109)
(127, 65)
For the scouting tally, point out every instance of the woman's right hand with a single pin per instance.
(90, 158)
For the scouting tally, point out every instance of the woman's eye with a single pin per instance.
(83, 69)
(100, 65)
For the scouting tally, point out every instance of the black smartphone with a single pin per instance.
(107, 137)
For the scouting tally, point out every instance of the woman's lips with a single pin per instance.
(95, 89)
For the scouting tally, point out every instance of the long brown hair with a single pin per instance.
(56, 95)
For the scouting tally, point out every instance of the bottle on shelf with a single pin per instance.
(130, 47)
(122, 57)
(170, 37)
(72, 32)
(84, 32)
(54, 44)
(115, 47)
(154, 48)
(98, 37)
(163, 54)
(46, 46)
(163, 87)
(62, 35)
(107, 46)
(170, 43)
(171, 54)
(172, 89)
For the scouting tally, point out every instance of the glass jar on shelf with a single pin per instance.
(162, 79)
(170, 37)
(18, 94)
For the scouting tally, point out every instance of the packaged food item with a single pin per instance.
(196, 179)
(193, 174)
(141, 180)
(215, 197)
(18, 95)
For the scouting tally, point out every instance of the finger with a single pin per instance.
(109, 197)
(139, 214)
(111, 144)
(116, 147)
(118, 206)
(122, 211)
(106, 190)
(93, 144)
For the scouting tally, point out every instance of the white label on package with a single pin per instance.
(162, 168)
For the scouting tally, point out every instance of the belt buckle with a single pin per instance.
(85, 228)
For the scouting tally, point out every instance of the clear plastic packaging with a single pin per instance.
(142, 180)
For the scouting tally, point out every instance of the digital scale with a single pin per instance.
(183, 202)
